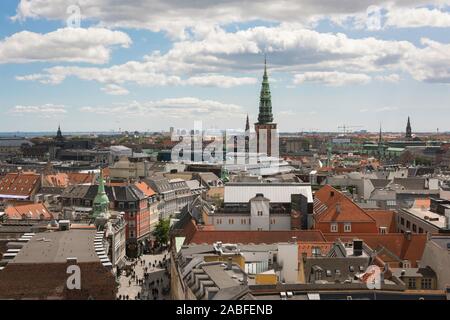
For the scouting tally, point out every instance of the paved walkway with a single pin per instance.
(157, 279)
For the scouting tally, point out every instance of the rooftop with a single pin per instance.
(428, 216)
(56, 247)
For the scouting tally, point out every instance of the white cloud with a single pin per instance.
(43, 111)
(175, 16)
(391, 78)
(417, 17)
(186, 107)
(332, 78)
(431, 63)
(220, 81)
(92, 45)
(115, 90)
(215, 59)
(203, 62)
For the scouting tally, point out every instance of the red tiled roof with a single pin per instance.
(36, 211)
(56, 180)
(80, 178)
(384, 218)
(396, 243)
(19, 184)
(306, 247)
(256, 237)
(145, 188)
(331, 198)
(67, 179)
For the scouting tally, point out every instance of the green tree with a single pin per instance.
(161, 231)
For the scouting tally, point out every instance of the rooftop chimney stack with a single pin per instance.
(357, 247)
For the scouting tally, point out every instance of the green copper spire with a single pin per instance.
(265, 100)
(101, 201)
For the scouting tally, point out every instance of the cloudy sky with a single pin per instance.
(102, 65)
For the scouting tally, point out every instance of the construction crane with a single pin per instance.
(348, 128)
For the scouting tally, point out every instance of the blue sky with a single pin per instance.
(149, 65)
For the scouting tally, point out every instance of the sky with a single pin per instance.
(147, 65)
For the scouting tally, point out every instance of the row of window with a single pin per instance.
(408, 226)
(426, 283)
(243, 221)
(347, 227)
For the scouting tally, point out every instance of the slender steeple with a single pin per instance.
(380, 145)
(101, 201)
(380, 136)
(408, 130)
(247, 136)
(265, 100)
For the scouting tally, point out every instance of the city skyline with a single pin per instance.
(148, 70)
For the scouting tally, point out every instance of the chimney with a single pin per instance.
(230, 263)
(357, 247)
(408, 235)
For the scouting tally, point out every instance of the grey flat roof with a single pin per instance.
(56, 247)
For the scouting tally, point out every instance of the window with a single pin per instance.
(347, 227)
(131, 215)
(334, 227)
(420, 230)
(318, 275)
(131, 234)
(316, 252)
(328, 273)
(402, 221)
(337, 272)
(383, 230)
(408, 224)
(414, 228)
(131, 205)
(218, 221)
(412, 283)
(121, 205)
(351, 269)
(260, 213)
(426, 283)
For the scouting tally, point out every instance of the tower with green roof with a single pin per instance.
(265, 116)
(101, 201)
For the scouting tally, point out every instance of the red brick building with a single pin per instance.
(336, 213)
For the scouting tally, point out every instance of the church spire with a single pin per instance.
(265, 99)
(247, 125)
(408, 130)
(101, 201)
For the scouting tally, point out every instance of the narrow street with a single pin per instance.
(148, 280)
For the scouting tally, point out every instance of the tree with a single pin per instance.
(161, 231)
